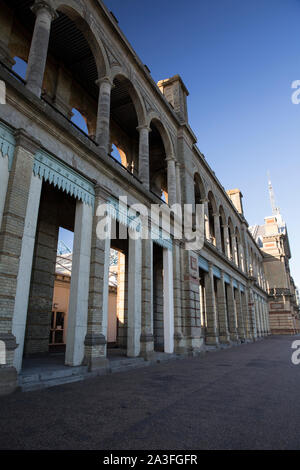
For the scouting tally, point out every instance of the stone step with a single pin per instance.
(30, 387)
(39, 379)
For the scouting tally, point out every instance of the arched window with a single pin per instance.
(222, 221)
(79, 120)
(230, 237)
(158, 160)
(211, 218)
(20, 67)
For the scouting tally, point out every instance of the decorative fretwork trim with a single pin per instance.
(63, 177)
(126, 216)
(7, 144)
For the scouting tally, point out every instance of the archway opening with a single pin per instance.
(124, 135)
(158, 163)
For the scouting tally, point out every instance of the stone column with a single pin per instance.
(171, 181)
(144, 171)
(39, 45)
(134, 297)
(232, 313)
(226, 240)
(263, 320)
(42, 280)
(147, 340)
(6, 23)
(246, 315)
(96, 337)
(222, 311)
(234, 250)
(168, 301)
(11, 236)
(257, 317)
(268, 318)
(252, 315)
(103, 117)
(240, 315)
(217, 231)
(178, 182)
(4, 177)
(178, 334)
(211, 309)
(206, 219)
(79, 292)
(25, 267)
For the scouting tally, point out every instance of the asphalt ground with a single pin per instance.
(245, 397)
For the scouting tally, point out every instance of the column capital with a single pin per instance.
(40, 5)
(171, 158)
(144, 127)
(105, 79)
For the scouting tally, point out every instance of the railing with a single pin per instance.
(124, 168)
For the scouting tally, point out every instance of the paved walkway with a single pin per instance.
(245, 397)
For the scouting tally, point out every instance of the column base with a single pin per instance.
(147, 346)
(234, 337)
(212, 341)
(8, 380)
(224, 338)
(100, 364)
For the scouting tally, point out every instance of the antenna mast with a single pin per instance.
(275, 209)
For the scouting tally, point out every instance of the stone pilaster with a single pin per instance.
(11, 235)
(240, 315)
(178, 333)
(193, 337)
(252, 316)
(232, 313)
(96, 336)
(211, 309)
(135, 298)
(246, 314)
(147, 340)
(224, 336)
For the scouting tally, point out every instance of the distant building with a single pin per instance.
(272, 238)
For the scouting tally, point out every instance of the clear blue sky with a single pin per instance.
(238, 59)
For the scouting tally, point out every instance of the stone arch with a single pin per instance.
(161, 161)
(77, 15)
(118, 72)
(199, 189)
(153, 118)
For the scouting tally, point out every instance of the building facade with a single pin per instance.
(53, 175)
(282, 292)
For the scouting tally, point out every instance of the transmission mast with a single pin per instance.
(275, 209)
